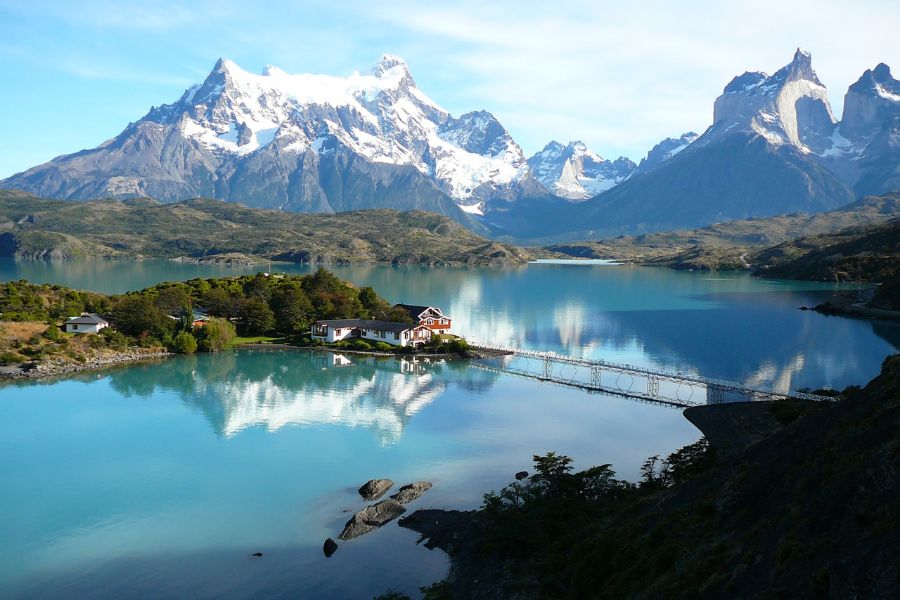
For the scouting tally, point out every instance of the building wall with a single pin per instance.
(389, 337)
(80, 328)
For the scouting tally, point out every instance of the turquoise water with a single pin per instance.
(731, 326)
(160, 480)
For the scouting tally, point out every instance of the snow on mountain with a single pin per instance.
(665, 150)
(575, 172)
(381, 116)
(788, 108)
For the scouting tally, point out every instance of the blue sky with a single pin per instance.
(618, 75)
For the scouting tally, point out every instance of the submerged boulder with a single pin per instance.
(329, 547)
(375, 488)
(372, 517)
(408, 493)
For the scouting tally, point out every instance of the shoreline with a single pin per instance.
(55, 368)
(58, 368)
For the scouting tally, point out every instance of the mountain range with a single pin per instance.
(318, 143)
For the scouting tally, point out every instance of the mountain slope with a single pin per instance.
(866, 152)
(866, 253)
(738, 177)
(305, 143)
(774, 147)
(721, 246)
(32, 227)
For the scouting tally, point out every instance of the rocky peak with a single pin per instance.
(800, 68)
(575, 172)
(790, 107)
(871, 102)
(390, 66)
(665, 150)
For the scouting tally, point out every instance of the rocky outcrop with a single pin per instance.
(52, 367)
(375, 488)
(413, 491)
(371, 518)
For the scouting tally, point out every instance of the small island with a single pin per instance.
(50, 330)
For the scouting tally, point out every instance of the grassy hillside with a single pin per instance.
(722, 246)
(32, 227)
(870, 253)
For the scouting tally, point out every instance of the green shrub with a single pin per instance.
(52, 332)
(383, 346)
(96, 341)
(184, 343)
(11, 358)
(115, 339)
(218, 334)
(360, 345)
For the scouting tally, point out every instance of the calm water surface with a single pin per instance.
(161, 480)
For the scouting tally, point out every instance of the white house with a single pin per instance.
(431, 317)
(395, 334)
(86, 323)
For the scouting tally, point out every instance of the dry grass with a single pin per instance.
(12, 331)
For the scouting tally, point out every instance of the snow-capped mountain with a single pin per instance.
(299, 142)
(790, 107)
(665, 150)
(575, 172)
(766, 153)
(866, 143)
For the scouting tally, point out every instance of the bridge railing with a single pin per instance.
(678, 377)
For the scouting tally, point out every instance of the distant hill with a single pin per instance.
(722, 246)
(865, 253)
(32, 227)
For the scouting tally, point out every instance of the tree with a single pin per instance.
(173, 300)
(218, 334)
(218, 302)
(184, 343)
(258, 287)
(137, 315)
(293, 310)
(256, 318)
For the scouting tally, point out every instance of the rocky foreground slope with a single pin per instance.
(811, 510)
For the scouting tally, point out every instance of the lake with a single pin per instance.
(162, 479)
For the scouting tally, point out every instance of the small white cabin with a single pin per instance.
(86, 323)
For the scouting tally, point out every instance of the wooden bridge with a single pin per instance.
(599, 376)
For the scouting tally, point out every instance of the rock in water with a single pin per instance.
(372, 517)
(375, 488)
(329, 547)
(408, 493)
(521, 475)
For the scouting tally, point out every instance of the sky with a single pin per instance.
(619, 76)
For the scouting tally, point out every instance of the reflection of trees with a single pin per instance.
(236, 390)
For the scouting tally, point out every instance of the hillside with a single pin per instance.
(32, 227)
(721, 246)
(809, 511)
(864, 253)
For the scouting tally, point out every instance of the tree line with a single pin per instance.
(163, 315)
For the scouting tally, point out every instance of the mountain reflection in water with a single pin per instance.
(280, 388)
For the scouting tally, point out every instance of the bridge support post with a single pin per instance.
(548, 368)
(653, 386)
(715, 394)
(595, 377)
